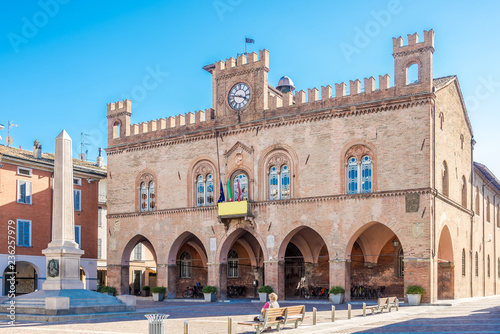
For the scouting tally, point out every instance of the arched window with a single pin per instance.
(116, 130)
(274, 192)
(352, 176)
(210, 190)
(144, 197)
(200, 191)
(477, 201)
(285, 182)
(401, 263)
(476, 260)
(464, 192)
(488, 263)
(232, 264)
(204, 190)
(151, 201)
(488, 209)
(240, 182)
(445, 179)
(279, 182)
(185, 261)
(366, 174)
(412, 74)
(441, 120)
(463, 262)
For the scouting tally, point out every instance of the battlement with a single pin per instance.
(243, 61)
(120, 106)
(413, 44)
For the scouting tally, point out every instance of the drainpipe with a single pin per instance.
(472, 143)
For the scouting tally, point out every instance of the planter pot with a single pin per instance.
(414, 300)
(157, 297)
(263, 297)
(337, 299)
(209, 297)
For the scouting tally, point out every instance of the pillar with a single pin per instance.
(274, 276)
(340, 275)
(170, 276)
(214, 278)
(418, 272)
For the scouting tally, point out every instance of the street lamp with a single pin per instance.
(395, 243)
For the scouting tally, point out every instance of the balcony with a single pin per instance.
(234, 210)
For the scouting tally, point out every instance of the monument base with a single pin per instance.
(65, 302)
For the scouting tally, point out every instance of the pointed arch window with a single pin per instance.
(151, 196)
(401, 263)
(273, 183)
(147, 193)
(476, 264)
(463, 262)
(205, 190)
(359, 175)
(186, 265)
(240, 184)
(144, 197)
(232, 264)
(279, 182)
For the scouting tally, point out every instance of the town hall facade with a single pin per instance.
(375, 187)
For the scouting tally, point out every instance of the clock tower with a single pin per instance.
(240, 87)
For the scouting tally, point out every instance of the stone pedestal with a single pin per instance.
(63, 268)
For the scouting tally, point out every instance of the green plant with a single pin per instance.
(159, 289)
(146, 288)
(106, 289)
(415, 290)
(209, 289)
(265, 289)
(335, 290)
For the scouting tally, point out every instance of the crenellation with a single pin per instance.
(119, 106)
(384, 82)
(179, 120)
(326, 92)
(413, 43)
(312, 95)
(354, 87)
(369, 85)
(143, 127)
(199, 116)
(264, 57)
(287, 99)
(135, 129)
(230, 62)
(220, 65)
(252, 57)
(152, 126)
(189, 118)
(412, 38)
(300, 97)
(340, 89)
(163, 123)
(170, 122)
(241, 60)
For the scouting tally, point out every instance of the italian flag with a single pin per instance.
(229, 192)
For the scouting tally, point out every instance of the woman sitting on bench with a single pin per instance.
(271, 304)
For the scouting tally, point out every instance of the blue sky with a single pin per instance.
(62, 61)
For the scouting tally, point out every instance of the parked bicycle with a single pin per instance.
(193, 291)
(367, 292)
(234, 291)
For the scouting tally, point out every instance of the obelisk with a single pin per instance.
(63, 253)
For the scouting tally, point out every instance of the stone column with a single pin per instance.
(171, 277)
(63, 253)
(339, 276)
(214, 277)
(272, 277)
(419, 272)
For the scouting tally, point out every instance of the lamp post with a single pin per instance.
(395, 243)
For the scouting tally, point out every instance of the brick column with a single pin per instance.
(274, 276)
(170, 276)
(214, 278)
(340, 275)
(118, 278)
(419, 272)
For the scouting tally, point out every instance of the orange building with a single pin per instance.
(26, 187)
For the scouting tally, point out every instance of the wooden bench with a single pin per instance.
(270, 315)
(392, 302)
(294, 314)
(287, 315)
(383, 304)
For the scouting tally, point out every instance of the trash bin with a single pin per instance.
(156, 323)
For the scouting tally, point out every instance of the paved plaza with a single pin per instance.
(477, 315)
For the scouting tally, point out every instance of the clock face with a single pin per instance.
(239, 96)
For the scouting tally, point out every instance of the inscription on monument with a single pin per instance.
(412, 202)
(53, 268)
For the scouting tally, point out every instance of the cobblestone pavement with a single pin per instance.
(466, 316)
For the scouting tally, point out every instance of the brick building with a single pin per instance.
(26, 186)
(371, 187)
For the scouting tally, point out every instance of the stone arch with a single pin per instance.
(290, 157)
(413, 62)
(117, 124)
(445, 265)
(23, 285)
(245, 170)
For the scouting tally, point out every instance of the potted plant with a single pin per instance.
(158, 292)
(414, 293)
(209, 291)
(263, 292)
(107, 290)
(337, 294)
(146, 290)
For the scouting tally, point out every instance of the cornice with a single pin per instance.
(236, 73)
(281, 120)
(408, 52)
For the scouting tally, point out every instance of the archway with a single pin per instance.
(187, 267)
(377, 263)
(138, 258)
(241, 263)
(306, 268)
(25, 275)
(446, 268)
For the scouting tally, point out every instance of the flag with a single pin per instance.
(229, 192)
(222, 198)
(249, 41)
(239, 191)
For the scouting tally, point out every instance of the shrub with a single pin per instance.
(146, 288)
(106, 289)
(159, 289)
(265, 289)
(335, 290)
(209, 289)
(414, 290)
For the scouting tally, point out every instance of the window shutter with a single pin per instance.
(28, 192)
(77, 235)
(20, 235)
(26, 234)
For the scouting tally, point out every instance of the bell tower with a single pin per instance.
(240, 87)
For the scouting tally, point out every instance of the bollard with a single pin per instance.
(314, 316)
(186, 327)
(397, 304)
(156, 323)
(229, 325)
(333, 313)
(348, 311)
(364, 309)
